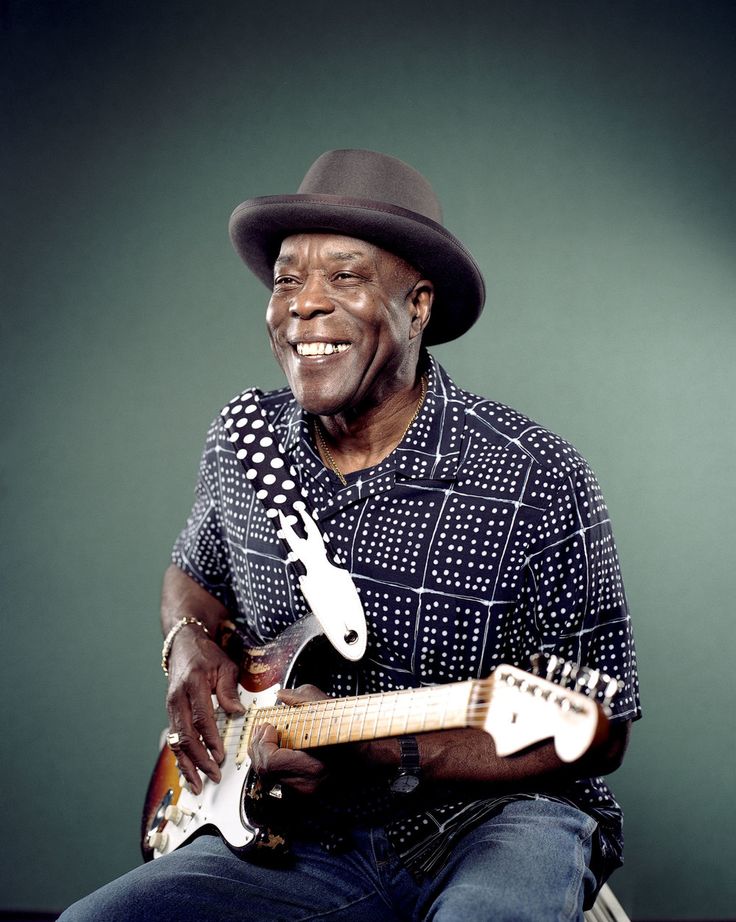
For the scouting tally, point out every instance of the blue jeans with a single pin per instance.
(529, 862)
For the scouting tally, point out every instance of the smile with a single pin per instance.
(321, 348)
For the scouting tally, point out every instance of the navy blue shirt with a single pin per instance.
(483, 538)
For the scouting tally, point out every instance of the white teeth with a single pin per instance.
(320, 348)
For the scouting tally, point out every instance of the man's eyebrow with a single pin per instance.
(284, 260)
(345, 256)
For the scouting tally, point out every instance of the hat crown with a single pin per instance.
(376, 177)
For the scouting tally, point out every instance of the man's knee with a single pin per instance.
(528, 862)
(479, 904)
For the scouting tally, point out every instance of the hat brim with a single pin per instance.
(258, 227)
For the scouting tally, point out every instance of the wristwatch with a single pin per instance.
(409, 773)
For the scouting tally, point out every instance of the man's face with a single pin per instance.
(345, 322)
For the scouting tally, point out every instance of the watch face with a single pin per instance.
(404, 783)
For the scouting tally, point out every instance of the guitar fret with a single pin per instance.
(408, 711)
(318, 740)
(332, 729)
(352, 719)
(287, 725)
(381, 704)
(391, 726)
(443, 720)
(336, 725)
(424, 719)
(303, 738)
(361, 732)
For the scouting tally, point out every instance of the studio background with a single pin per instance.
(584, 151)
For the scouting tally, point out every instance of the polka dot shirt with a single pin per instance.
(482, 539)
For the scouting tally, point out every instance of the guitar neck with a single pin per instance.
(369, 717)
(517, 709)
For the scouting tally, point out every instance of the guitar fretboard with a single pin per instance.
(365, 717)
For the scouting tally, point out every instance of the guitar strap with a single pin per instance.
(326, 585)
(266, 464)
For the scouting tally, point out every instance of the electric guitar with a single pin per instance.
(517, 708)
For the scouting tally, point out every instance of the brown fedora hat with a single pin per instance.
(364, 194)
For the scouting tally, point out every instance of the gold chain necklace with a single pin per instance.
(327, 454)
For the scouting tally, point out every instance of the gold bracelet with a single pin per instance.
(166, 649)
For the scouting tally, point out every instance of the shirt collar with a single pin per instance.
(430, 450)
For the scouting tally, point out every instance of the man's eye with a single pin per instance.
(282, 280)
(345, 277)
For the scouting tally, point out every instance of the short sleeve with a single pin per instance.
(573, 592)
(201, 549)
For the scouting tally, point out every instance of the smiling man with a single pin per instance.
(473, 536)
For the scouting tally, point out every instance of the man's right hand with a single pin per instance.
(198, 669)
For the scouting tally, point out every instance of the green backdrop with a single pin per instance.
(585, 153)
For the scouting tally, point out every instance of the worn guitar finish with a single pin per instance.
(516, 708)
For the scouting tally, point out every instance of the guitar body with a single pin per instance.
(172, 815)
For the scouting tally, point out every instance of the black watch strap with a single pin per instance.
(408, 775)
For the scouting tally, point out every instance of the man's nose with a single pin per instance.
(313, 297)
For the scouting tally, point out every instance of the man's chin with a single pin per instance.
(321, 395)
(320, 406)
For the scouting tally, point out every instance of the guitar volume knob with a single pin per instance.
(157, 840)
(175, 814)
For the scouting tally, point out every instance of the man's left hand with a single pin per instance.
(293, 768)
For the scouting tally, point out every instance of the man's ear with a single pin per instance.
(420, 299)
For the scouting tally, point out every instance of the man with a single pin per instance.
(474, 537)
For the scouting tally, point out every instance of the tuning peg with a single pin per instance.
(611, 689)
(567, 673)
(582, 678)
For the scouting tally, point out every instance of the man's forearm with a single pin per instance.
(181, 598)
(470, 755)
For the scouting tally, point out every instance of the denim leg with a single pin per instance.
(204, 881)
(529, 863)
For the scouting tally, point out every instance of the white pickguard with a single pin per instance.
(219, 805)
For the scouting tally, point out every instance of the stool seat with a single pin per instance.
(606, 908)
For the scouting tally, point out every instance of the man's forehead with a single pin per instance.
(329, 246)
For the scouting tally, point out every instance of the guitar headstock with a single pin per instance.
(527, 708)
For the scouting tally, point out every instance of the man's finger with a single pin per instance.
(187, 769)
(182, 722)
(264, 742)
(226, 689)
(203, 720)
(193, 748)
(291, 696)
